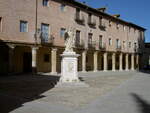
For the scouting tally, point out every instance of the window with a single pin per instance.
(62, 7)
(89, 17)
(46, 58)
(45, 3)
(118, 43)
(62, 32)
(0, 24)
(124, 44)
(77, 13)
(100, 20)
(129, 28)
(110, 23)
(135, 45)
(45, 32)
(124, 28)
(129, 44)
(134, 30)
(117, 25)
(23, 26)
(100, 40)
(77, 36)
(110, 41)
(90, 38)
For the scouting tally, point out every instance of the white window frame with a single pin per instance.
(23, 21)
(62, 29)
(62, 7)
(45, 5)
(109, 41)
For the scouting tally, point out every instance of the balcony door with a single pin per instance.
(118, 43)
(45, 32)
(78, 36)
(100, 40)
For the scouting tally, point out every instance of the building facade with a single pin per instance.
(147, 56)
(32, 37)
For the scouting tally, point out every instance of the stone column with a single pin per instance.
(11, 58)
(132, 62)
(114, 62)
(105, 62)
(34, 60)
(54, 61)
(95, 61)
(127, 62)
(120, 61)
(84, 61)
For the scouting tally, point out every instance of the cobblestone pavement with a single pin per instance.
(37, 95)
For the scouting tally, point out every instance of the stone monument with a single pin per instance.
(69, 73)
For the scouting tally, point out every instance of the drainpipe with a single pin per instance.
(36, 14)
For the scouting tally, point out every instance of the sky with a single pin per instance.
(135, 11)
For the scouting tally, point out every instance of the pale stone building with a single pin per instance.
(32, 37)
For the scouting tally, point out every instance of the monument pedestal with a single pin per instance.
(69, 72)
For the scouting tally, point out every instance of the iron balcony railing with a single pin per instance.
(91, 22)
(79, 44)
(46, 38)
(102, 26)
(79, 19)
(118, 48)
(102, 46)
(92, 44)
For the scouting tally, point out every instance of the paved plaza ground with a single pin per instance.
(108, 92)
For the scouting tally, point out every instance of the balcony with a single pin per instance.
(46, 38)
(92, 45)
(102, 27)
(137, 50)
(118, 48)
(79, 44)
(92, 23)
(79, 19)
(102, 47)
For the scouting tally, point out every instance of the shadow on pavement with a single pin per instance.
(145, 71)
(16, 90)
(142, 104)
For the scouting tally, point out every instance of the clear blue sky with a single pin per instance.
(135, 11)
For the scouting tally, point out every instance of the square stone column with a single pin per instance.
(127, 62)
(120, 61)
(84, 61)
(105, 62)
(95, 61)
(34, 59)
(54, 61)
(132, 62)
(114, 62)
